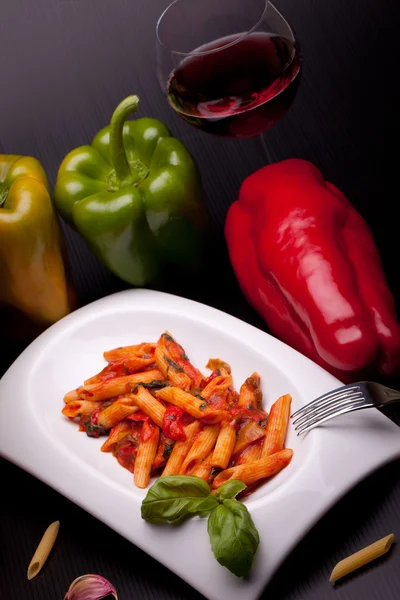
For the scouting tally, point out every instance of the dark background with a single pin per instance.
(64, 66)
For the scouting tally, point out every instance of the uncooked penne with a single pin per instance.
(149, 405)
(202, 446)
(43, 550)
(194, 405)
(143, 350)
(277, 424)
(362, 557)
(180, 450)
(254, 471)
(224, 446)
(146, 454)
(78, 408)
(170, 369)
(117, 386)
(250, 392)
(117, 411)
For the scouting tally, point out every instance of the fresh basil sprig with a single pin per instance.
(233, 536)
(174, 498)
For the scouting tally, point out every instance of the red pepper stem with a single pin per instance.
(125, 174)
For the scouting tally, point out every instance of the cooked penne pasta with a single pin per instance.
(218, 385)
(250, 453)
(254, 471)
(277, 424)
(119, 368)
(362, 557)
(180, 450)
(203, 469)
(117, 386)
(144, 350)
(251, 432)
(146, 454)
(43, 550)
(117, 411)
(72, 396)
(202, 446)
(179, 356)
(79, 407)
(159, 413)
(149, 405)
(224, 446)
(170, 369)
(250, 392)
(216, 364)
(117, 433)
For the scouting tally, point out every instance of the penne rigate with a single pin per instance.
(43, 550)
(117, 386)
(252, 472)
(161, 416)
(277, 425)
(202, 446)
(362, 557)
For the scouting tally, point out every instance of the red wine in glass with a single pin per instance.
(238, 91)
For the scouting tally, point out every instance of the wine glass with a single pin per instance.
(228, 67)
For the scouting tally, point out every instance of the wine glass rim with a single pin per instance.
(203, 53)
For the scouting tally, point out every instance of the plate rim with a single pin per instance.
(227, 582)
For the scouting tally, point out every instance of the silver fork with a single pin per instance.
(347, 398)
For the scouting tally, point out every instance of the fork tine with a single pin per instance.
(327, 396)
(315, 423)
(328, 411)
(332, 402)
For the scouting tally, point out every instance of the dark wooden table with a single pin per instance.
(64, 65)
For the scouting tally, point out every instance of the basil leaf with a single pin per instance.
(174, 498)
(230, 489)
(151, 385)
(233, 536)
(207, 506)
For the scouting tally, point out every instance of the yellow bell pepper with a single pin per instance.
(32, 271)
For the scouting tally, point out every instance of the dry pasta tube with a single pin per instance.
(254, 471)
(117, 386)
(43, 550)
(361, 558)
(201, 448)
(180, 450)
(277, 424)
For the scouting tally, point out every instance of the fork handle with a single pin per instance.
(390, 396)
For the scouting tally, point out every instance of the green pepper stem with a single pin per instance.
(3, 194)
(117, 150)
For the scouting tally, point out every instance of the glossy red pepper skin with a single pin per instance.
(307, 262)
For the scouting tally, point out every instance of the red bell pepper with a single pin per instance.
(307, 262)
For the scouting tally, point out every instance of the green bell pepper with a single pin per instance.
(135, 196)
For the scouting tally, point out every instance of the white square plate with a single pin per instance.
(326, 463)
